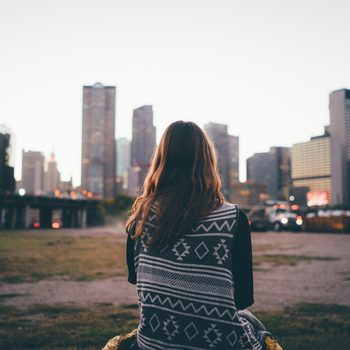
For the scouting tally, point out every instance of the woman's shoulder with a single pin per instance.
(226, 211)
(226, 207)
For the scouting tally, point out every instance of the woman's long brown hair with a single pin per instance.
(183, 179)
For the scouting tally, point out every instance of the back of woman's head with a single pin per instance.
(183, 183)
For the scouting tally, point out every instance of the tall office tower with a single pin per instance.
(7, 179)
(339, 108)
(123, 165)
(227, 151)
(271, 169)
(52, 179)
(311, 167)
(123, 156)
(33, 172)
(143, 144)
(233, 142)
(98, 140)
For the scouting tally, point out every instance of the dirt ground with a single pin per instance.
(324, 277)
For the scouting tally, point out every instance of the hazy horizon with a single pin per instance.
(264, 68)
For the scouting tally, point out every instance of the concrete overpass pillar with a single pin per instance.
(45, 217)
(27, 217)
(83, 218)
(2, 217)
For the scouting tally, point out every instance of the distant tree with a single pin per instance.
(117, 205)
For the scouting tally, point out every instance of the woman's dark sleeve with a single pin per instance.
(242, 264)
(130, 260)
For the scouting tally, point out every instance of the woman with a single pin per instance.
(189, 252)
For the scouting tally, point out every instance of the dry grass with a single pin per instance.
(304, 327)
(36, 255)
(287, 259)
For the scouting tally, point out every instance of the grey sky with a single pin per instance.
(264, 67)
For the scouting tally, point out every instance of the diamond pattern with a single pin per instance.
(154, 322)
(181, 249)
(191, 331)
(221, 252)
(212, 335)
(145, 236)
(201, 250)
(171, 327)
(232, 338)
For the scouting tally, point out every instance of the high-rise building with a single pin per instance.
(143, 144)
(98, 140)
(311, 168)
(52, 179)
(339, 108)
(32, 172)
(233, 142)
(7, 179)
(66, 185)
(271, 169)
(248, 193)
(227, 151)
(123, 164)
(143, 141)
(123, 156)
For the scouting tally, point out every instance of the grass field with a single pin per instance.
(305, 327)
(34, 256)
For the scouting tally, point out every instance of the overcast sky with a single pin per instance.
(265, 68)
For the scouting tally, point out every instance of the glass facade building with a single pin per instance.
(339, 108)
(98, 168)
(311, 167)
(227, 152)
(271, 169)
(143, 145)
(33, 172)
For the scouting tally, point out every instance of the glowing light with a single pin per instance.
(90, 195)
(22, 191)
(291, 198)
(299, 220)
(295, 207)
(284, 221)
(36, 225)
(55, 225)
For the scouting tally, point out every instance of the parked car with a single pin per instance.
(258, 219)
(282, 219)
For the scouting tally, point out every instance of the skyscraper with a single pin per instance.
(98, 140)
(123, 164)
(123, 156)
(227, 151)
(339, 108)
(143, 144)
(7, 179)
(311, 168)
(52, 179)
(32, 172)
(233, 146)
(271, 169)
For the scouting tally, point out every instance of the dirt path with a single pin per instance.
(277, 285)
(314, 281)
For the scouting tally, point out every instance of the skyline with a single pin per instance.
(266, 69)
